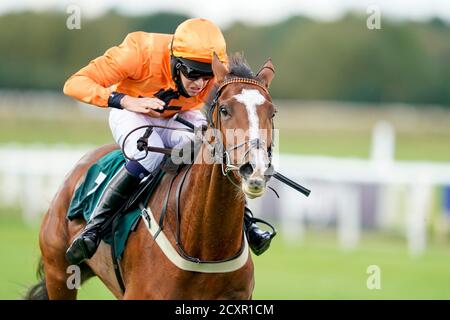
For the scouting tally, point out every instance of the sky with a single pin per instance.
(225, 12)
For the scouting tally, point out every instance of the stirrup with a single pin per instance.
(259, 240)
(273, 233)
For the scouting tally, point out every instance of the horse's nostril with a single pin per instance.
(246, 170)
(256, 183)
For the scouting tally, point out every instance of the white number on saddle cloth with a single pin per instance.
(98, 181)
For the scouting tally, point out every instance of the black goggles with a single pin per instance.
(193, 74)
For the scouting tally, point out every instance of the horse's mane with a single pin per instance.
(238, 68)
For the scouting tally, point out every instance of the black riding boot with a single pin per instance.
(258, 240)
(121, 187)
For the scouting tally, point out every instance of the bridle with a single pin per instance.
(222, 154)
(227, 167)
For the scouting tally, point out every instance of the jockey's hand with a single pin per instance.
(143, 105)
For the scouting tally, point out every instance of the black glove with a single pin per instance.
(167, 96)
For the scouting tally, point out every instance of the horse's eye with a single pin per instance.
(223, 111)
(275, 111)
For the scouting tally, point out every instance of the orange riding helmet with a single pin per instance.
(193, 45)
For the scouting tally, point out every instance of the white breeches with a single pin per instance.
(122, 122)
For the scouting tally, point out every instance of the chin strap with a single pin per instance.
(175, 65)
(180, 87)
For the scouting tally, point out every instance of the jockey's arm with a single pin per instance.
(92, 83)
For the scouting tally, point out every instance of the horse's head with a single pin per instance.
(242, 111)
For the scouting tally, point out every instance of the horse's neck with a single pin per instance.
(212, 214)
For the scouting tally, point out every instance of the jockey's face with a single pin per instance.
(194, 86)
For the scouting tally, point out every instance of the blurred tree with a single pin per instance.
(340, 60)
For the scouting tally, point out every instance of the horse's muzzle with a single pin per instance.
(253, 183)
(254, 187)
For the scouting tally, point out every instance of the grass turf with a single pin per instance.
(314, 269)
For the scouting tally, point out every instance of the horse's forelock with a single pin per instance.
(239, 68)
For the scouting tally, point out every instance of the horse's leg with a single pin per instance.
(55, 236)
(56, 233)
(102, 265)
(56, 282)
(53, 241)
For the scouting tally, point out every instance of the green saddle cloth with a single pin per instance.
(88, 194)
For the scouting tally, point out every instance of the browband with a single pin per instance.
(225, 82)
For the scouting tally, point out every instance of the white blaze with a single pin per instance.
(252, 98)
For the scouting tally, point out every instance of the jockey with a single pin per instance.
(145, 64)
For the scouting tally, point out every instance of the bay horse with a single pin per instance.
(211, 206)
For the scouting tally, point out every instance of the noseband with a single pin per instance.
(223, 156)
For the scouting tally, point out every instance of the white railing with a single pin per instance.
(30, 176)
(401, 193)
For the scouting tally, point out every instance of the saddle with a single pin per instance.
(118, 228)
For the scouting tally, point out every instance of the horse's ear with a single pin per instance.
(218, 68)
(266, 73)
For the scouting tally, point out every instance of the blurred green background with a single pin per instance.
(340, 60)
(334, 81)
